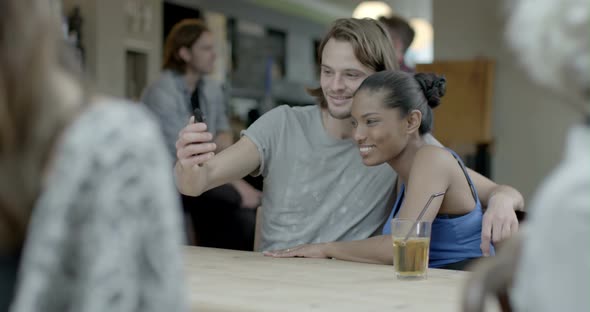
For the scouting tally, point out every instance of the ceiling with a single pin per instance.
(407, 8)
(347, 5)
(326, 11)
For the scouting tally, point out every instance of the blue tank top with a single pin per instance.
(453, 239)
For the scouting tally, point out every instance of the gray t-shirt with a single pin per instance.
(316, 188)
(170, 101)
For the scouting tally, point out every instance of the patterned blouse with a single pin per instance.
(106, 234)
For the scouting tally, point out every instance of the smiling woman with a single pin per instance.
(377, 103)
(392, 111)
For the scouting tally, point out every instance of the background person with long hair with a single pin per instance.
(189, 57)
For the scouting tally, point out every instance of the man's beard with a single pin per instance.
(339, 115)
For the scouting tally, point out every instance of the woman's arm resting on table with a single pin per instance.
(378, 250)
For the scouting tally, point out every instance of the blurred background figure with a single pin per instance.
(89, 217)
(551, 264)
(402, 35)
(553, 272)
(183, 86)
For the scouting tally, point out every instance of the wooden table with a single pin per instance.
(229, 280)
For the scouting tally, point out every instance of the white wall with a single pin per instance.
(300, 31)
(528, 126)
(300, 58)
(411, 9)
(106, 36)
(217, 23)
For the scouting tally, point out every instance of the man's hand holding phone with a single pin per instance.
(194, 145)
(193, 148)
(198, 115)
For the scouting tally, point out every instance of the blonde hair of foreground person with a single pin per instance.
(38, 98)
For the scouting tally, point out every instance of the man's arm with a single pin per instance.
(499, 220)
(250, 196)
(223, 140)
(197, 170)
(487, 189)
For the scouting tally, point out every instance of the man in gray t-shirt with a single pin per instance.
(316, 188)
(327, 192)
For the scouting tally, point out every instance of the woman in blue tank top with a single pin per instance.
(391, 113)
(455, 239)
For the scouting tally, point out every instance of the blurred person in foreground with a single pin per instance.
(547, 265)
(402, 34)
(89, 218)
(553, 273)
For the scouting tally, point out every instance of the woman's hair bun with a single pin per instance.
(433, 87)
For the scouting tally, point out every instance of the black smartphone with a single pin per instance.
(199, 116)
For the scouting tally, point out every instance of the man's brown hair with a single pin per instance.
(370, 42)
(184, 34)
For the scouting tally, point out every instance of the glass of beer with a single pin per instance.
(411, 245)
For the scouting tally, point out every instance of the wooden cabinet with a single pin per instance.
(463, 121)
(465, 113)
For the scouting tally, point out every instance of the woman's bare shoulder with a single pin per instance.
(431, 156)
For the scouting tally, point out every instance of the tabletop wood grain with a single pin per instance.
(229, 280)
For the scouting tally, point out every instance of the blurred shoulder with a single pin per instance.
(296, 114)
(567, 185)
(166, 80)
(211, 83)
(166, 83)
(297, 111)
(116, 121)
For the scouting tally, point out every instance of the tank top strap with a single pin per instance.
(463, 168)
(399, 200)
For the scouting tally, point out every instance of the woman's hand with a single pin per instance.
(303, 251)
